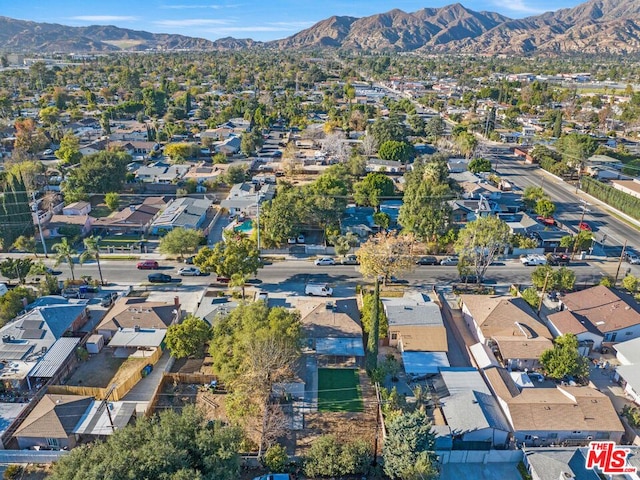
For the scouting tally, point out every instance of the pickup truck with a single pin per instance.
(533, 260)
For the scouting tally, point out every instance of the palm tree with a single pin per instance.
(238, 280)
(64, 253)
(92, 252)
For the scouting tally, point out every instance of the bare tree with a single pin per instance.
(335, 145)
(369, 145)
(387, 254)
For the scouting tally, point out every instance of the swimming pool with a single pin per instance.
(244, 227)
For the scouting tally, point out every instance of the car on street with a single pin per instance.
(189, 260)
(350, 260)
(147, 265)
(159, 278)
(318, 289)
(261, 297)
(300, 239)
(106, 300)
(274, 476)
(584, 226)
(220, 279)
(325, 261)
(428, 260)
(533, 260)
(189, 272)
(469, 278)
(633, 259)
(450, 261)
(51, 271)
(558, 259)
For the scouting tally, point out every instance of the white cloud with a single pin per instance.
(191, 7)
(518, 6)
(104, 18)
(191, 22)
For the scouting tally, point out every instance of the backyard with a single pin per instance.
(339, 390)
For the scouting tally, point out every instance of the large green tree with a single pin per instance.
(171, 446)
(425, 210)
(15, 213)
(329, 457)
(101, 172)
(480, 241)
(65, 253)
(13, 268)
(69, 151)
(181, 241)
(13, 302)
(372, 189)
(188, 338)
(396, 151)
(564, 359)
(235, 254)
(408, 450)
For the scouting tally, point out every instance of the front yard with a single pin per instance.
(339, 390)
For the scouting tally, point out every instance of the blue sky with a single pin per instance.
(257, 19)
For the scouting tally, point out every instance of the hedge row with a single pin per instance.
(612, 197)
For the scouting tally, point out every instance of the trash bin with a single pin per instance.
(583, 255)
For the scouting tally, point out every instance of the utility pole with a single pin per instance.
(258, 219)
(35, 209)
(620, 263)
(105, 404)
(378, 413)
(544, 290)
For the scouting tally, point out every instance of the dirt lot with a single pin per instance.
(97, 371)
(178, 395)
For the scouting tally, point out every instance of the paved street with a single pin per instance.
(292, 275)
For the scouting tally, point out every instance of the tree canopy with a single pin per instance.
(188, 338)
(564, 359)
(172, 446)
(180, 241)
(387, 254)
(101, 172)
(235, 254)
(371, 188)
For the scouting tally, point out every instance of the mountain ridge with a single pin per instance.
(595, 26)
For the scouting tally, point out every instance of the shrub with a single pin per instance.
(276, 458)
(328, 457)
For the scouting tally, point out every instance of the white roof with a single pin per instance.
(483, 356)
(96, 420)
(630, 350)
(143, 337)
(422, 363)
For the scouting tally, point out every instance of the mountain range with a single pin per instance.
(596, 26)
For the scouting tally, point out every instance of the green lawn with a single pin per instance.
(339, 390)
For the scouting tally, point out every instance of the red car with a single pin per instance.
(550, 221)
(584, 226)
(147, 265)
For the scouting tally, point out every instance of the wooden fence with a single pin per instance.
(193, 378)
(123, 387)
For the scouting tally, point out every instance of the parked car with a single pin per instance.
(261, 297)
(633, 259)
(106, 301)
(291, 241)
(159, 278)
(319, 289)
(558, 259)
(274, 476)
(147, 265)
(71, 293)
(450, 261)
(584, 226)
(51, 271)
(189, 272)
(189, 260)
(300, 239)
(220, 279)
(549, 221)
(533, 260)
(469, 278)
(325, 261)
(350, 260)
(428, 260)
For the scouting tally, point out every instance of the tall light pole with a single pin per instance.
(35, 210)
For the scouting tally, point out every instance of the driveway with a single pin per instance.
(141, 394)
(480, 471)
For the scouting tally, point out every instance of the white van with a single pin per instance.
(319, 289)
(3, 289)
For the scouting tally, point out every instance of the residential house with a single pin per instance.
(137, 148)
(61, 421)
(387, 166)
(160, 172)
(470, 410)
(509, 326)
(553, 416)
(566, 321)
(77, 208)
(184, 212)
(604, 167)
(244, 197)
(630, 187)
(132, 312)
(132, 219)
(57, 222)
(27, 339)
(558, 463)
(358, 221)
(230, 146)
(550, 238)
(202, 173)
(457, 165)
(333, 334)
(628, 372)
(94, 147)
(463, 211)
(611, 313)
(59, 361)
(417, 330)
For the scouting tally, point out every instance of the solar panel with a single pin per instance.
(33, 334)
(14, 351)
(32, 324)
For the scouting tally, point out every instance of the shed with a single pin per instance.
(95, 343)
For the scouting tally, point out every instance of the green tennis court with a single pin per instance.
(339, 390)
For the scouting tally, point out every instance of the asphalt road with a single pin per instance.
(568, 203)
(292, 275)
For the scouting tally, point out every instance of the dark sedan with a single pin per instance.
(159, 278)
